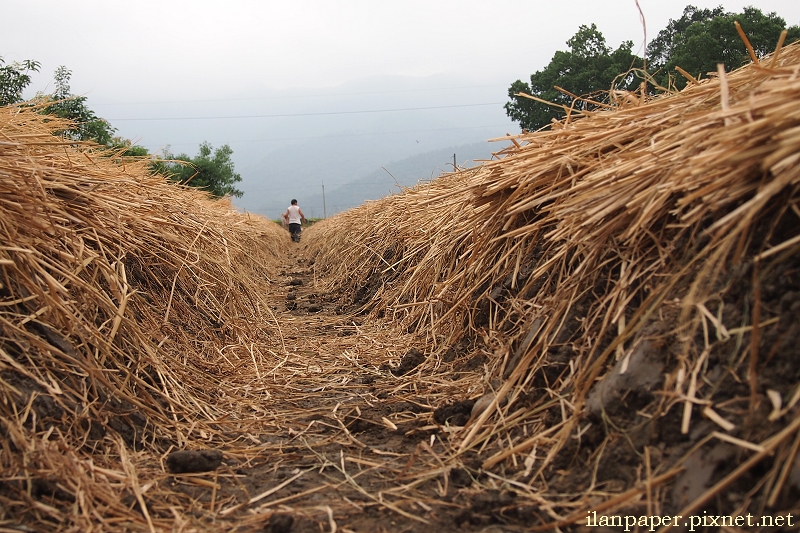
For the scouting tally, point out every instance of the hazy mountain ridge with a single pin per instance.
(393, 177)
(286, 143)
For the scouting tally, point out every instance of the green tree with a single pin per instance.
(87, 125)
(125, 148)
(702, 38)
(211, 170)
(662, 48)
(14, 78)
(590, 68)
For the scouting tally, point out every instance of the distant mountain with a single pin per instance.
(394, 176)
(299, 170)
(287, 142)
(337, 135)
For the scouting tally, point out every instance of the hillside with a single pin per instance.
(397, 175)
(298, 153)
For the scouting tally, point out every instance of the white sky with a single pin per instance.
(170, 49)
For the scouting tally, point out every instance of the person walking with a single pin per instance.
(294, 217)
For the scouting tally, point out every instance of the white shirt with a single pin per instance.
(294, 214)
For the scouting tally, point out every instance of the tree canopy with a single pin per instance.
(14, 78)
(87, 125)
(696, 42)
(702, 38)
(589, 68)
(211, 170)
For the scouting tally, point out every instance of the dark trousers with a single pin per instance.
(294, 230)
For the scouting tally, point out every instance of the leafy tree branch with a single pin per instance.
(14, 78)
(211, 170)
(86, 125)
(589, 68)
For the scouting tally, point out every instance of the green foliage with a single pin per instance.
(589, 68)
(661, 49)
(696, 42)
(135, 151)
(702, 38)
(87, 125)
(14, 78)
(125, 148)
(211, 170)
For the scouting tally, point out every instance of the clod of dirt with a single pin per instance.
(316, 308)
(639, 373)
(484, 402)
(460, 477)
(291, 296)
(47, 408)
(456, 414)
(185, 461)
(411, 360)
(279, 523)
(129, 428)
(492, 500)
(474, 363)
(457, 350)
(698, 473)
(367, 380)
(356, 424)
(93, 429)
(296, 282)
(486, 507)
(48, 489)
(399, 407)
(54, 338)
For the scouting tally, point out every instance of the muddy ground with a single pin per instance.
(351, 461)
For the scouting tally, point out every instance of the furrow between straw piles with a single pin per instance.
(631, 237)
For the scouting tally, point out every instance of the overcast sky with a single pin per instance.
(152, 50)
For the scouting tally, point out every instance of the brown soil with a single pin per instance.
(346, 464)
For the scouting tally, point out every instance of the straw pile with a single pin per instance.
(624, 290)
(129, 312)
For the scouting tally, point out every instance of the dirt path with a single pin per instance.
(348, 443)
